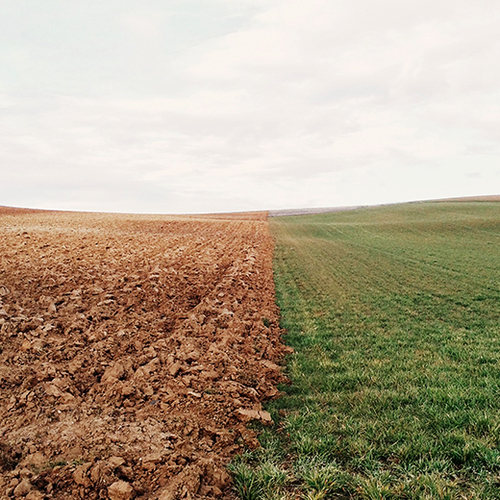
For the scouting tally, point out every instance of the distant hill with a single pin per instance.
(310, 211)
(324, 210)
(272, 213)
(493, 197)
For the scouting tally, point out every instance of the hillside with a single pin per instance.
(393, 313)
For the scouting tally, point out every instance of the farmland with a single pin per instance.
(394, 315)
(137, 352)
(133, 351)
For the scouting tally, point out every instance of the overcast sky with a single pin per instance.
(183, 106)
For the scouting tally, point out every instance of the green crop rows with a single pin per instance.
(394, 315)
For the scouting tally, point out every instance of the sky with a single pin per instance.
(189, 106)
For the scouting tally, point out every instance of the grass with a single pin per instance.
(394, 315)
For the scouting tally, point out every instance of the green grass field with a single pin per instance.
(394, 315)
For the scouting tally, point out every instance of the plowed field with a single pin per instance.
(133, 351)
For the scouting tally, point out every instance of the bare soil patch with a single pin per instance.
(133, 351)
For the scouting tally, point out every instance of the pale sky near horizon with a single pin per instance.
(185, 106)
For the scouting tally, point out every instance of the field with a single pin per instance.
(394, 315)
(133, 351)
(136, 353)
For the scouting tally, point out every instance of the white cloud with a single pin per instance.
(203, 106)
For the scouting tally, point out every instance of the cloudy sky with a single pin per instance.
(183, 106)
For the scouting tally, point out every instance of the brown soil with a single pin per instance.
(133, 351)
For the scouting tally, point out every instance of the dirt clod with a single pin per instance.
(120, 490)
(247, 415)
(23, 488)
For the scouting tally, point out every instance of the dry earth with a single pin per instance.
(133, 351)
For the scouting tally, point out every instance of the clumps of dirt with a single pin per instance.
(133, 351)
